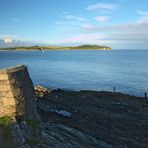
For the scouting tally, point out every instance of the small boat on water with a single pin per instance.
(42, 50)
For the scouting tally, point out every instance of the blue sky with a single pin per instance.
(121, 24)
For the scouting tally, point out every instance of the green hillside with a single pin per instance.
(81, 47)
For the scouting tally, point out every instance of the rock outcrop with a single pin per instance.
(17, 96)
(93, 119)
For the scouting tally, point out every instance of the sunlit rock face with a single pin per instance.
(16, 93)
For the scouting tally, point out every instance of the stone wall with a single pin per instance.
(17, 96)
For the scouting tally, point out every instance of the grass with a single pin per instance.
(5, 125)
(83, 47)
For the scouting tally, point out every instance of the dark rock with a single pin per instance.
(98, 119)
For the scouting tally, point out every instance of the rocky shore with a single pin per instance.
(84, 119)
(92, 119)
(46, 118)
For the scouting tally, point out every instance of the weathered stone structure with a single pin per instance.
(17, 96)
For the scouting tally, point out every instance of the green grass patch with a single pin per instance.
(5, 125)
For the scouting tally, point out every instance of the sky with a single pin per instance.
(120, 24)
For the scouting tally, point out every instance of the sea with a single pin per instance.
(126, 70)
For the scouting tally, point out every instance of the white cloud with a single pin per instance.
(62, 23)
(102, 18)
(13, 41)
(71, 17)
(87, 25)
(129, 34)
(102, 6)
(143, 15)
(8, 40)
(82, 39)
(128, 27)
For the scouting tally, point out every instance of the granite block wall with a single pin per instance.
(17, 96)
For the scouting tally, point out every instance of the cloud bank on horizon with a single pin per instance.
(120, 24)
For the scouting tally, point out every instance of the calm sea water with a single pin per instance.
(127, 70)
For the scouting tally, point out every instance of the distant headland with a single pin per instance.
(81, 47)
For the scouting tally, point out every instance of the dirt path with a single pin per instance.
(1, 139)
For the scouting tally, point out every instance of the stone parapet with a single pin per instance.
(17, 96)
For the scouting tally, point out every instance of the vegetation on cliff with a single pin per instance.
(6, 138)
(81, 47)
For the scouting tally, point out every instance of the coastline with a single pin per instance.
(43, 48)
(57, 50)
